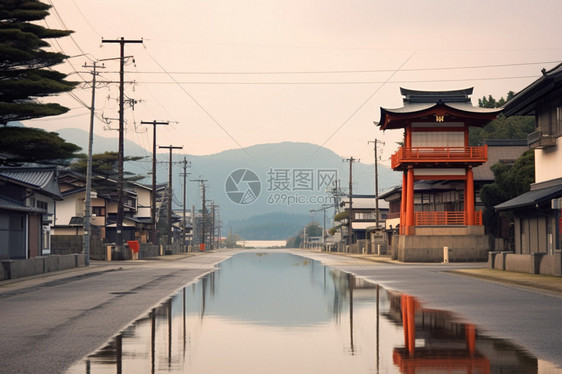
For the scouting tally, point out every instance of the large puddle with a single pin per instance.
(280, 313)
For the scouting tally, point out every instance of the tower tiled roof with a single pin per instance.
(418, 104)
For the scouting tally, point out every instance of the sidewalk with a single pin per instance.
(96, 267)
(537, 282)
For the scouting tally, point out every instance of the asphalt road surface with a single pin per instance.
(47, 324)
(529, 318)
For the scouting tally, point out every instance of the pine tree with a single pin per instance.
(34, 145)
(104, 168)
(25, 67)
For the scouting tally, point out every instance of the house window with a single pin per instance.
(98, 211)
(557, 126)
(365, 215)
(42, 205)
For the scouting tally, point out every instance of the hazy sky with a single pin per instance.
(231, 74)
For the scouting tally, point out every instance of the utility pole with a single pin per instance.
(214, 225)
(88, 200)
(154, 123)
(351, 160)
(186, 164)
(212, 230)
(119, 225)
(171, 148)
(203, 213)
(376, 142)
(323, 209)
(219, 226)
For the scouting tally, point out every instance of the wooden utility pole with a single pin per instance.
(376, 142)
(88, 200)
(120, 177)
(171, 148)
(154, 238)
(218, 226)
(212, 229)
(203, 213)
(186, 164)
(351, 160)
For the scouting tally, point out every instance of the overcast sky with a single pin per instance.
(230, 74)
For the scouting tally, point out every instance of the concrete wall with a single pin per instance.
(429, 248)
(12, 269)
(149, 250)
(66, 244)
(536, 263)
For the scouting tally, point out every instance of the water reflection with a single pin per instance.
(280, 313)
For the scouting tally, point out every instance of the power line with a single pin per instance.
(363, 104)
(66, 28)
(354, 48)
(202, 108)
(85, 18)
(336, 82)
(343, 71)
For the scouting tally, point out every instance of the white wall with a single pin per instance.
(66, 209)
(143, 202)
(438, 139)
(548, 162)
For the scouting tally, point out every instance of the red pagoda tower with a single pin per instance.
(436, 148)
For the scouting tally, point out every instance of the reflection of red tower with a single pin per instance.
(409, 359)
(436, 147)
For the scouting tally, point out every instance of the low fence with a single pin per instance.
(68, 244)
(444, 218)
(12, 269)
(535, 263)
(71, 244)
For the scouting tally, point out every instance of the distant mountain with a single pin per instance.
(256, 186)
(271, 226)
(101, 144)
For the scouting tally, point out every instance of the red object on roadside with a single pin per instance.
(202, 247)
(134, 245)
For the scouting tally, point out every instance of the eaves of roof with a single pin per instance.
(399, 117)
(531, 199)
(73, 191)
(523, 103)
(43, 179)
(9, 204)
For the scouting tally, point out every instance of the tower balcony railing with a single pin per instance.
(469, 154)
(443, 218)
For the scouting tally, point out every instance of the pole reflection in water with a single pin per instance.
(277, 313)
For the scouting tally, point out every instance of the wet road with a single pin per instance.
(529, 318)
(46, 325)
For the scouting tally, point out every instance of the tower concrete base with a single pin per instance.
(465, 244)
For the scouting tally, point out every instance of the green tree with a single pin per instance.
(514, 127)
(25, 67)
(105, 167)
(509, 182)
(313, 229)
(490, 102)
(35, 145)
(231, 240)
